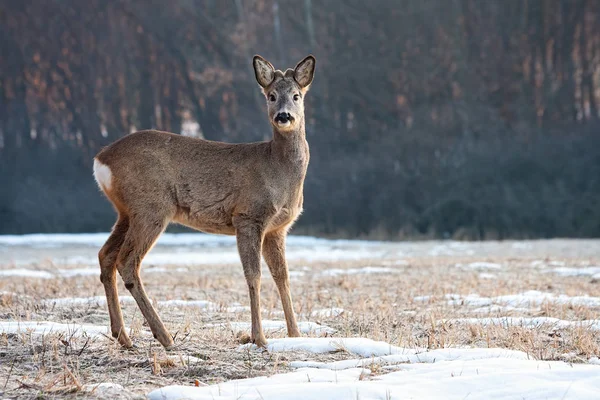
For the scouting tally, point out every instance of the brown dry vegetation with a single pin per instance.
(376, 306)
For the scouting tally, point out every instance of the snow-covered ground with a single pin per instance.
(49, 327)
(529, 298)
(406, 374)
(421, 293)
(185, 249)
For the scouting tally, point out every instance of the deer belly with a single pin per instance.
(209, 222)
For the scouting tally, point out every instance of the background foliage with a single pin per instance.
(427, 118)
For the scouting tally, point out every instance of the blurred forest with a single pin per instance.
(470, 119)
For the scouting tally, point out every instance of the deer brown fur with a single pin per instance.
(250, 190)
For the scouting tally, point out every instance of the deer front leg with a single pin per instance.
(249, 240)
(274, 254)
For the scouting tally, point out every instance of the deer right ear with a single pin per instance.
(263, 70)
(305, 72)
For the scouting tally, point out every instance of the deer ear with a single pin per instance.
(263, 70)
(305, 71)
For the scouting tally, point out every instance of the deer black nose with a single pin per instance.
(283, 117)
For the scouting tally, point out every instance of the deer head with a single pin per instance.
(285, 91)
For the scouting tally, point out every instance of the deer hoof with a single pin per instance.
(260, 342)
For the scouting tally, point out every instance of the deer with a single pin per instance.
(251, 190)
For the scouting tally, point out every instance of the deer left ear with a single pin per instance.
(263, 70)
(305, 71)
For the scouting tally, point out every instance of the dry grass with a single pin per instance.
(377, 306)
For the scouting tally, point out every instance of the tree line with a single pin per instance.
(431, 118)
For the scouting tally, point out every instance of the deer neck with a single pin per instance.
(291, 147)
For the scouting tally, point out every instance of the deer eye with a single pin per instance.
(296, 97)
(272, 97)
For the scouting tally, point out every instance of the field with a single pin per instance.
(438, 320)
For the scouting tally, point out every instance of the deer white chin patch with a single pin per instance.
(103, 175)
(285, 124)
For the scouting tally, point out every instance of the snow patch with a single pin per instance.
(98, 301)
(68, 272)
(296, 274)
(529, 298)
(103, 390)
(327, 312)
(173, 239)
(48, 327)
(357, 271)
(425, 357)
(594, 272)
(476, 374)
(274, 326)
(528, 322)
(321, 384)
(26, 273)
(359, 346)
(479, 265)
(452, 249)
(497, 309)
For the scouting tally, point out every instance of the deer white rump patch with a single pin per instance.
(103, 175)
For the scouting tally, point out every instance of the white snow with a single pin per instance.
(85, 301)
(74, 272)
(424, 357)
(203, 304)
(521, 245)
(199, 249)
(98, 301)
(452, 248)
(98, 239)
(296, 274)
(237, 307)
(104, 390)
(490, 374)
(327, 312)
(528, 322)
(302, 384)
(594, 272)
(166, 239)
(422, 299)
(273, 326)
(26, 273)
(63, 273)
(357, 271)
(496, 309)
(47, 327)
(359, 346)
(532, 298)
(480, 265)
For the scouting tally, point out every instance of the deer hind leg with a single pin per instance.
(249, 240)
(108, 276)
(139, 240)
(274, 253)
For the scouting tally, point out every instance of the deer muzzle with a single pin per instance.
(283, 118)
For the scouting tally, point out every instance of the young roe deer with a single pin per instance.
(250, 190)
